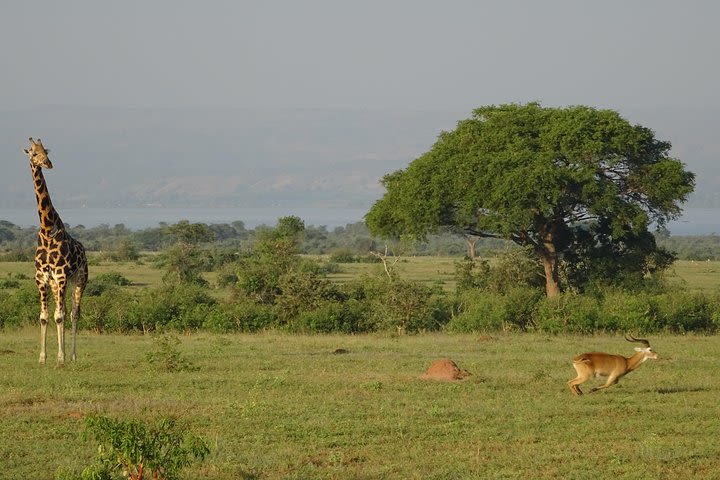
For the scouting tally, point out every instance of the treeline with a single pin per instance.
(268, 284)
(118, 241)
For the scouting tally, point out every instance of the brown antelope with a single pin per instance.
(597, 364)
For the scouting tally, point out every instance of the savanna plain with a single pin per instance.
(278, 406)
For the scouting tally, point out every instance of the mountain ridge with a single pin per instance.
(255, 157)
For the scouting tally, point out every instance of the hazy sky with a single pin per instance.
(408, 54)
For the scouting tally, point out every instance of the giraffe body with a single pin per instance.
(60, 260)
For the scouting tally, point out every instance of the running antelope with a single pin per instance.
(597, 364)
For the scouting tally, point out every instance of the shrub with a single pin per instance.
(301, 291)
(22, 306)
(480, 312)
(245, 316)
(627, 312)
(335, 317)
(142, 451)
(97, 285)
(567, 313)
(165, 355)
(513, 268)
(108, 311)
(7, 283)
(343, 256)
(401, 305)
(686, 312)
(18, 255)
(125, 251)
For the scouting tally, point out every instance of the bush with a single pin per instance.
(400, 305)
(302, 291)
(96, 286)
(687, 312)
(627, 312)
(108, 311)
(22, 306)
(512, 269)
(343, 256)
(18, 255)
(165, 356)
(480, 312)
(140, 450)
(335, 317)
(567, 313)
(125, 251)
(181, 307)
(239, 317)
(7, 283)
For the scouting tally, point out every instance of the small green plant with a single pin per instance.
(6, 283)
(166, 357)
(141, 451)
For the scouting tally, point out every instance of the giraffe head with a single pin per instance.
(38, 154)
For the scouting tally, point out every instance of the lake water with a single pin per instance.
(695, 221)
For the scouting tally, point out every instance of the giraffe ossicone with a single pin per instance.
(60, 260)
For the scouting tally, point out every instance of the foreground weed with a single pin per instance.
(139, 451)
(165, 356)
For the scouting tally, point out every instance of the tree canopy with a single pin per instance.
(577, 184)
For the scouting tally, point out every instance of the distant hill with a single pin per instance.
(107, 157)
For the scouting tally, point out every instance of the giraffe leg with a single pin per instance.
(75, 316)
(42, 288)
(59, 316)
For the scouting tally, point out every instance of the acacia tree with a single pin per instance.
(568, 182)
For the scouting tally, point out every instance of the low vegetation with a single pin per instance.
(270, 285)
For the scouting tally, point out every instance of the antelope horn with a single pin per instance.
(640, 340)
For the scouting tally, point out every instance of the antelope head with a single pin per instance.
(645, 350)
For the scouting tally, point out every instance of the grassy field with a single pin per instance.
(276, 406)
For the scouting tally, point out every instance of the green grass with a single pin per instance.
(428, 270)
(696, 276)
(276, 406)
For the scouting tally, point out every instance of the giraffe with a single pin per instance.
(59, 258)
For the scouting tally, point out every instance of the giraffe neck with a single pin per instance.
(50, 221)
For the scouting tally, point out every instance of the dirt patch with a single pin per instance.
(446, 370)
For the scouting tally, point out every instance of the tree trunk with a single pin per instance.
(552, 282)
(548, 256)
(471, 242)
